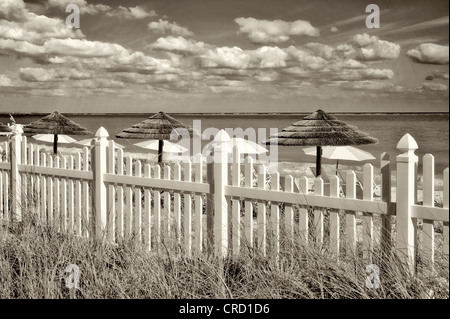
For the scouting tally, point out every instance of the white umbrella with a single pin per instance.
(65, 139)
(168, 147)
(89, 142)
(348, 153)
(245, 146)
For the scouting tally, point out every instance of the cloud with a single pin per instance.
(364, 74)
(12, 10)
(51, 75)
(371, 48)
(440, 75)
(237, 58)
(82, 48)
(5, 81)
(430, 53)
(264, 31)
(131, 13)
(334, 29)
(37, 29)
(85, 7)
(179, 44)
(430, 86)
(163, 26)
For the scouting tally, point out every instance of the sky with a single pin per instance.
(224, 56)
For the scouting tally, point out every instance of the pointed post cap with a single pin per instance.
(101, 133)
(222, 136)
(407, 144)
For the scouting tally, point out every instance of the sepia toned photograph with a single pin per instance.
(229, 157)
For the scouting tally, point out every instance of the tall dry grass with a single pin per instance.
(33, 259)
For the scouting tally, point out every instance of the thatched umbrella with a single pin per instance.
(320, 129)
(157, 127)
(55, 124)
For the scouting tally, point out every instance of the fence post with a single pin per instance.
(386, 229)
(406, 184)
(220, 202)
(16, 191)
(99, 167)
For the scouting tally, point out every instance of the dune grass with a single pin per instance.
(33, 259)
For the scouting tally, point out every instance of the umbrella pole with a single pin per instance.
(318, 160)
(337, 166)
(55, 143)
(160, 150)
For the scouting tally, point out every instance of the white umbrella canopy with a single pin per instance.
(168, 147)
(65, 139)
(348, 153)
(245, 146)
(89, 142)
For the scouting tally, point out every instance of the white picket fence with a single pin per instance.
(100, 193)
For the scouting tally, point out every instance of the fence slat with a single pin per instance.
(37, 185)
(198, 223)
(120, 198)
(70, 199)
(334, 217)
(85, 197)
(146, 219)
(318, 213)
(262, 212)
(43, 197)
(177, 199)
(157, 206)
(137, 217)
(236, 203)
(57, 191)
(167, 208)
(386, 229)
(350, 217)
(111, 210)
(77, 196)
(50, 189)
(367, 218)
(63, 198)
(128, 200)
(288, 209)
(303, 223)
(187, 211)
(428, 200)
(248, 218)
(275, 217)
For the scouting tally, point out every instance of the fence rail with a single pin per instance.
(99, 192)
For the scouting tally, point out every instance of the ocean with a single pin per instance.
(431, 131)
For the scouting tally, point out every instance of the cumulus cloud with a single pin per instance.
(372, 48)
(430, 86)
(334, 29)
(178, 44)
(430, 53)
(264, 31)
(5, 81)
(364, 74)
(131, 13)
(163, 26)
(440, 75)
(50, 75)
(237, 58)
(12, 10)
(85, 8)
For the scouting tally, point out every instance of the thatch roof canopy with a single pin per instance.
(157, 127)
(4, 128)
(321, 129)
(55, 123)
